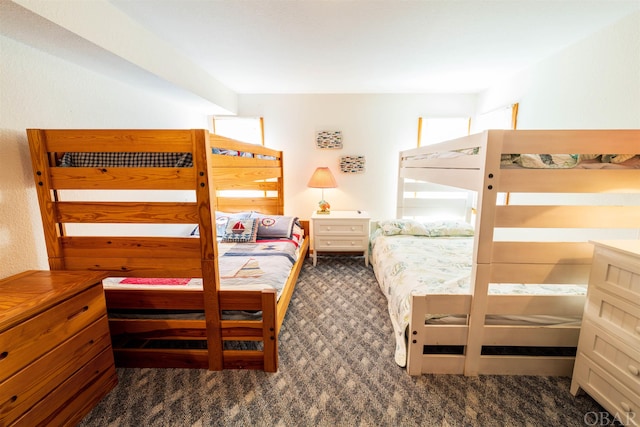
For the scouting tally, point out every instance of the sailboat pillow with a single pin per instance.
(241, 231)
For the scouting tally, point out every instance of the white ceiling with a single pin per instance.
(311, 46)
(305, 46)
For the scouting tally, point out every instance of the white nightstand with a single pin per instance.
(340, 231)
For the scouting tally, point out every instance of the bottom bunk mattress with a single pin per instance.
(412, 258)
(242, 266)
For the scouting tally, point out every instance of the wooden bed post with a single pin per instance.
(400, 190)
(205, 194)
(52, 228)
(281, 186)
(482, 250)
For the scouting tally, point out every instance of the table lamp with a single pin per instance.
(322, 178)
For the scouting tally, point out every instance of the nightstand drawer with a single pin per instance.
(357, 228)
(341, 244)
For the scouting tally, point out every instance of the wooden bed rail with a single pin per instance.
(149, 331)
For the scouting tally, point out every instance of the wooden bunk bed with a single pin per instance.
(69, 196)
(531, 228)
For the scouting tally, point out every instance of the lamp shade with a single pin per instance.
(322, 178)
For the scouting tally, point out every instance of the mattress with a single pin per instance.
(407, 265)
(265, 264)
(548, 161)
(143, 159)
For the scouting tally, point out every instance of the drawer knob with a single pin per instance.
(328, 228)
(4, 355)
(353, 228)
(328, 243)
(633, 369)
(625, 406)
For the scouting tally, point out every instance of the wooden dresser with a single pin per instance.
(607, 365)
(56, 361)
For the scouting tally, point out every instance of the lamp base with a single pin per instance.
(323, 207)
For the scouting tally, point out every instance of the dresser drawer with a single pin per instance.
(618, 273)
(68, 403)
(619, 400)
(614, 314)
(324, 243)
(24, 343)
(33, 383)
(618, 358)
(356, 228)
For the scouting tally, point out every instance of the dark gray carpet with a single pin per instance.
(336, 369)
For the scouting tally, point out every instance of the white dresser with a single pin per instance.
(340, 231)
(607, 365)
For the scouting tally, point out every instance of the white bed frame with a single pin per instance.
(611, 211)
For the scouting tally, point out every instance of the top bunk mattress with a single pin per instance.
(547, 161)
(144, 159)
(525, 149)
(570, 161)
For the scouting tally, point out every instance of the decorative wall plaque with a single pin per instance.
(352, 164)
(329, 139)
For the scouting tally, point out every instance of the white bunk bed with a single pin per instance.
(531, 229)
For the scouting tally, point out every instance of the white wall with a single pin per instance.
(376, 126)
(41, 91)
(591, 85)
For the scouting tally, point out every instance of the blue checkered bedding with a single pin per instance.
(142, 160)
(130, 160)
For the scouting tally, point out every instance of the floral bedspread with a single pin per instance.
(406, 265)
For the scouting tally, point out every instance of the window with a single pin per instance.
(500, 118)
(245, 129)
(437, 129)
(425, 201)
